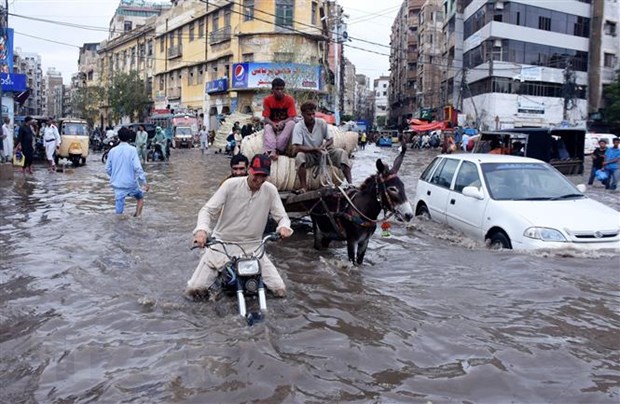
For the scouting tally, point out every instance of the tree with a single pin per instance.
(128, 96)
(85, 102)
(611, 94)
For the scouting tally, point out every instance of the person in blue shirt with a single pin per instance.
(612, 155)
(126, 173)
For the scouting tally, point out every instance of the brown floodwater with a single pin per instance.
(91, 306)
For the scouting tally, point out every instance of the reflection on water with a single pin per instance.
(91, 306)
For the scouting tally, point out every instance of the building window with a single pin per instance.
(161, 82)
(609, 60)
(200, 76)
(191, 31)
(248, 57)
(127, 26)
(201, 28)
(171, 39)
(215, 21)
(190, 76)
(283, 57)
(544, 23)
(313, 16)
(227, 17)
(248, 10)
(149, 48)
(162, 41)
(284, 13)
(610, 28)
(180, 36)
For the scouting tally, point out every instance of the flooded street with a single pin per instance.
(91, 306)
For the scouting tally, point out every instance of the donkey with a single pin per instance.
(352, 215)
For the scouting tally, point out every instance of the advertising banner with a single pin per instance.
(260, 75)
(13, 82)
(6, 51)
(217, 86)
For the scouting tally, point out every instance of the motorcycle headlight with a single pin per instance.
(544, 234)
(248, 267)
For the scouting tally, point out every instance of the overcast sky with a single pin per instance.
(369, 20)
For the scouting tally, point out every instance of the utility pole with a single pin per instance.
(337, 64)
(4, 24)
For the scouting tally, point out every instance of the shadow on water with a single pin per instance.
(92, 309)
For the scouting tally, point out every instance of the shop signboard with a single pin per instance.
(217, 86)
(260, 75)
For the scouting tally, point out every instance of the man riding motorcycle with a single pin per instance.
(237, 213)
(161, 140)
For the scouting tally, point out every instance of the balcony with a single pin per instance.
(175, 51)
(221, 35)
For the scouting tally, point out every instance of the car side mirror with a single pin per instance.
(473, 192)
(582, 188)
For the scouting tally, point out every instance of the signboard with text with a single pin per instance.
(260, 75)
(13, 82)
(217, 86)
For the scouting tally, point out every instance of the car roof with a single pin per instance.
(490, 158)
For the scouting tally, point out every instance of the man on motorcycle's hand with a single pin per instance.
(200, 238)
(285, 232)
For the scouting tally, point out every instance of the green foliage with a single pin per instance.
(128, 96)
(612, 100)
(380, 121)
(347, 118)
(85, 103)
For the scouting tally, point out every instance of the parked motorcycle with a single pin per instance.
(242, 275)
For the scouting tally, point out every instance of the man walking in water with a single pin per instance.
(51, 137)
(279, 117)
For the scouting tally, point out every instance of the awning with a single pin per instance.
(331, 119)
(428, 126)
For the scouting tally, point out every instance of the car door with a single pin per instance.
(466, 213)
(438, 189)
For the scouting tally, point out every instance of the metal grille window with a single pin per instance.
(215, 21)
(201, 28)
(191, 31)
(284, 13)
(248, 10)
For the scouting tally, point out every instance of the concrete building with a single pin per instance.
(348, 88)
(220, 57)
(604, 50)
(404, 55)
(381, 89)
(131, 14)
(88, 64)
(526, 62)
(452, 54)
(364, 99)
(52, 93)
(430, 59)
(30, 64)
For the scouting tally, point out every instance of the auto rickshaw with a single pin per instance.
(74, 140)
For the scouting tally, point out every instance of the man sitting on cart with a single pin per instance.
(312, 139)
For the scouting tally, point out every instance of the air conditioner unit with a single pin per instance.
(497, 43)
(499, 5)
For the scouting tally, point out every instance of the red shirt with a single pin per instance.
(279, 110)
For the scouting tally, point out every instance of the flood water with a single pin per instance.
(91, 306)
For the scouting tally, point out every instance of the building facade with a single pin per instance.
(364, 99)
(452, 54)
(52, 93)
(381, 89)
(348, 89)
(131, 14)
(430, 59)
(30, 64)
(221, 57)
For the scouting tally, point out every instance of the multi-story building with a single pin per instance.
(30, 64)
(381, 89)
(604, 50)
(88, 64)
(348, 88)
(131, 52)
(52, 93)
(404, 56)
(67, 104)
(430, 61)
(221, 57)
(526, 62)
(364, 101)
(131, 14)
(452, 54)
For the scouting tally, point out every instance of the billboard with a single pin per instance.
(260, 75)
(6, 51)
(13, 82)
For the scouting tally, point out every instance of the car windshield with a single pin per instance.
(527, 182)
(75, 129)
(184, 131)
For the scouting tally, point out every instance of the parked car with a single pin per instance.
(514, 202)
(592, 140)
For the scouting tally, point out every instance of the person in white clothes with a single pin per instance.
(51, 137)
(204, 139)
(7, 139)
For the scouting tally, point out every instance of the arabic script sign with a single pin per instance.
(260, 75)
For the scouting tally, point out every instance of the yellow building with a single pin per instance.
(220, 57)
(132, 51)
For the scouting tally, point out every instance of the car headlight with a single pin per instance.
(544, 234)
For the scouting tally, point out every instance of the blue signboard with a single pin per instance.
(13, 82)
(217, 86)
(260, 75)
(6, 51)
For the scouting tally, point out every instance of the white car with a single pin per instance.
(592, 140)
(513, 202)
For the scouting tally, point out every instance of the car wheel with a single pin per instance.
(423, 212)
(499, 240)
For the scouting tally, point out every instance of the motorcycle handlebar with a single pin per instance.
(212, 241)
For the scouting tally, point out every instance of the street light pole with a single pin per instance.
(337, 64)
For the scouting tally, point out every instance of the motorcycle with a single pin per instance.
(155, 152)
(242, 275)
(109, 145)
